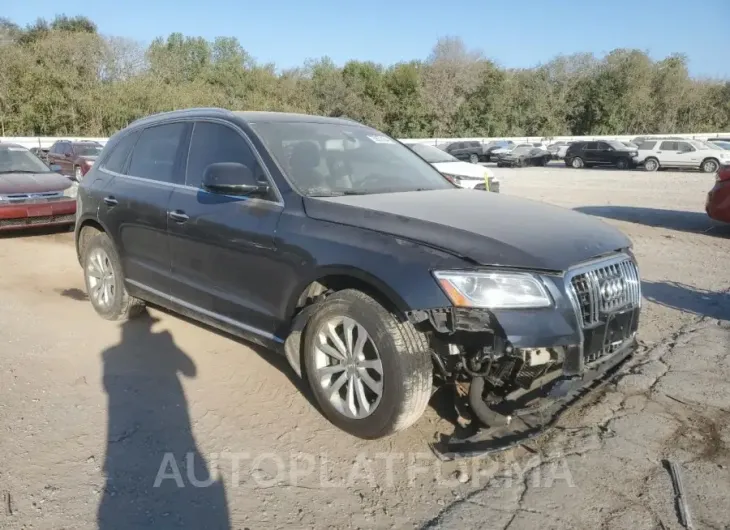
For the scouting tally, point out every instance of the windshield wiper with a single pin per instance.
(336, 193)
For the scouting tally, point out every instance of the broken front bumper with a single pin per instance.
(552, 399)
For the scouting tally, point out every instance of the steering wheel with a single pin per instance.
(373, 178)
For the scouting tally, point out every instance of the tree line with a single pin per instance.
(62, 77)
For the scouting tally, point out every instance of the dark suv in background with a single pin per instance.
(601, 153)
(341, 248)
(469, 151)
(74, 158)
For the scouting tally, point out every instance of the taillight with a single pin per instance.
(86, 166)
(723, 173)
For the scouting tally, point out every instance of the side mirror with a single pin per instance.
(232, 178)
(55, 167)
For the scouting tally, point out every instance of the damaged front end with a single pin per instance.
(515, 370)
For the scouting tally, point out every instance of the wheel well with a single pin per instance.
(338, 282)
(89, 229)
(711, 158)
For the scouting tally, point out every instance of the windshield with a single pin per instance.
(707, 145)
(616, 145)
(722, 145)
(431, 154)
(323, 159)
(87, 150)
(19, 159)
(522, 149)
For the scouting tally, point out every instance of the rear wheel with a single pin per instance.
(651, 164)
(370, 373)
(577, 162)
(105, 282)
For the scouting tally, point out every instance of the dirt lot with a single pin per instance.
(88, 409)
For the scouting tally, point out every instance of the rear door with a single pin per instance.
(134, 204)
(224, 260)
(590, 152)
(668, 154)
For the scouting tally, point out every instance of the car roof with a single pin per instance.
(246, 116)
(10, 144)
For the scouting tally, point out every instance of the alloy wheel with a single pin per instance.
(102, 284)
(348, 368)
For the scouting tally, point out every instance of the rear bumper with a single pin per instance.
(20, 216)
(717, 204)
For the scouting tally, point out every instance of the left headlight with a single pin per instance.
(72, 191)
(493, 290)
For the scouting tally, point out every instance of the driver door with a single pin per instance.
(687, 155)
(223, 253)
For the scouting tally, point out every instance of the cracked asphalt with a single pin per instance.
(89, 409)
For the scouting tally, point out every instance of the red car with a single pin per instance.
(718, 200)
(31, 193)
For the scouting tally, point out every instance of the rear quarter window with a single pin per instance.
(117, 157)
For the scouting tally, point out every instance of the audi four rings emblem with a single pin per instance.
(612, 288)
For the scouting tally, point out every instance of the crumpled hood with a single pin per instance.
(488, 228)
(32, 182)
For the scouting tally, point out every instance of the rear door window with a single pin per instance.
(591, 146)
(668, 146)
(155, 153)
(646, 146)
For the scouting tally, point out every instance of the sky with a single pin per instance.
(515, 35)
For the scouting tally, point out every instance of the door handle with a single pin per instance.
(110, 201)
(178, 216)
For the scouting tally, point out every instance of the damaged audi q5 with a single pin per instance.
(378, 278)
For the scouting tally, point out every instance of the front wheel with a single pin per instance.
(474, 159)
(370, 373)
(622, 163)
(710, 166)
(577, 162)
(105, 282)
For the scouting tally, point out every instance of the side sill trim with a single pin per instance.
(211, 314)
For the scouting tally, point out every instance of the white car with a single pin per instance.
(463, 174)
(679, 153)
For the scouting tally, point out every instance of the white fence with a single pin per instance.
(46, 141)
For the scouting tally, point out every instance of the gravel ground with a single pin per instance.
(88, 408)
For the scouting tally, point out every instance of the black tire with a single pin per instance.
(474, 159)
(404, 352)
(709, 165)
(622, 163)
(577, 163)
(122, 306)
(651, 164)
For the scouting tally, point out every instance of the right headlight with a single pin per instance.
(493, 290)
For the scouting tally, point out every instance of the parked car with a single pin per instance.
(74, 158)
(719, 139)
(357, 260)
(31, 194)
(717, 205)
(525, 155)
(558, 149)
(602, 153)
(471, 151)
(496, 147)
(40, 152)
(462, 174)
(656, 154)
